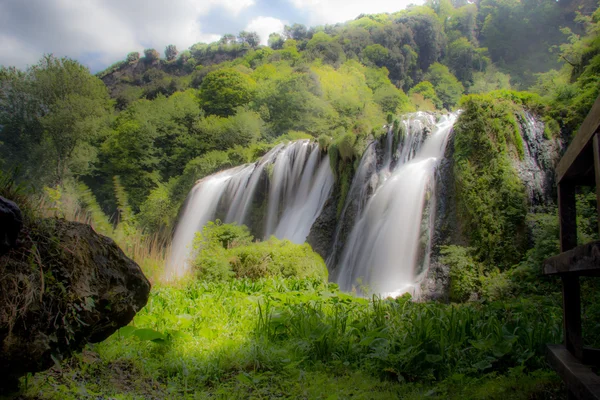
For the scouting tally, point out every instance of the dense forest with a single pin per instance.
(121, 150)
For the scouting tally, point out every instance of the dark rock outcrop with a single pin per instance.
(62, 287)
(322, 232)
(11, 222)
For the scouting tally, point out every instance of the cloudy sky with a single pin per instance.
(101, 32)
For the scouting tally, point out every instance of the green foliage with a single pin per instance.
(447, 87)
(171, 52)
(52, 116)
(276, 41)
(324, 142)
(132, 57)
(465, 60)
(573, 90)
(375, 54)
(345, 147)
(323, 46)
(490, 80)
(427, 90)
(242, 129)
(520, 35)
(293, 102)
(99, 220)
(151, 55)
(156, 212)
(391, 99)
(226, 251)
(302, 337)
(226, 236)
(222, 91)
(465, 272)
(491, 198)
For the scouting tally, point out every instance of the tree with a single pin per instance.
(171, 52)
(222, 91)
(464, 60)
(76, 103)
(324, 46)
(151, 55)
(132, 57)
(426, 90)
(376, 54)
(21, 133)
(390, 98)
(276, 41)
(227, 39)
(56, 107)
(296, 32)
(250, 38)
(447, 87)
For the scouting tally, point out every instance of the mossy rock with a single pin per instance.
(62, 287)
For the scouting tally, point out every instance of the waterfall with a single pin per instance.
(387, 243)
(536, 169)
(300, 183)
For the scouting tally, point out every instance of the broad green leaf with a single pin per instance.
(149, 334)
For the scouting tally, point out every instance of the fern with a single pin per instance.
(125, 212)
(99, 220)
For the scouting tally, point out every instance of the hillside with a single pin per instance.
(355, 210)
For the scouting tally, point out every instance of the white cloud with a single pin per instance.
(333, 11)
(264, 26)
(100, 32)
(14, 49)
(105, 30)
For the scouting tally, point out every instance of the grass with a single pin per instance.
(303, 338)
(293, 338)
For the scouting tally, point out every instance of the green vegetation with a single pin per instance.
(226, 251)
(122, 149)
(303, 338)
(174, 113)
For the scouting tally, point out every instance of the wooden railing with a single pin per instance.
(580, 166)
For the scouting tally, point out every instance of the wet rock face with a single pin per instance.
(321, 233)
(61, 288)
(541, 155)
(11, 222)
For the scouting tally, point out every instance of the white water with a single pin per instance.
(382, 251)
(300, 184)
(200, 208)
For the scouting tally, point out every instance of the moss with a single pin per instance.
(491, 199)
(324, 142)
(551, 127)
(344, 183)
(345, 145)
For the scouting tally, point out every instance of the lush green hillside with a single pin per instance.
(173, 120)
(122, 149)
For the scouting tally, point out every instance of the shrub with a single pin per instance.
(151, 55)
(464, 272)
(227, 251)
(133, 57)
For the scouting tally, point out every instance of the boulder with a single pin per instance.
(11, 222)
(64, 286)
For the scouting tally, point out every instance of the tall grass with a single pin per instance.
(412, 341)
(76, 202)
(294, 338)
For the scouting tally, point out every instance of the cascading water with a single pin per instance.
(383, 248)
(300, 184)
(541, 154)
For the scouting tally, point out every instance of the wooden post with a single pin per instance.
(596, 145)
(571, 291)
(567, 215)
